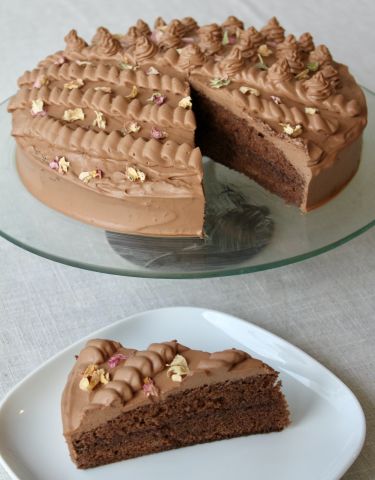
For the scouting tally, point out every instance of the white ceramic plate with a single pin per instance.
(326, 435)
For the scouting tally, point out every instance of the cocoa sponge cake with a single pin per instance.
(121, 403)
(112, 132)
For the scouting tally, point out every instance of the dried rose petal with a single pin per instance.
(60, 60)
(116, 359)
(157, 98)
(158, 134)
(276, 99)
(37, 108)
(152, 71)
(149, 388)
(85, 177)
(54, 165)
(40, 81)
(178, 368)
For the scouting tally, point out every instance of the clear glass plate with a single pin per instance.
(248, 229)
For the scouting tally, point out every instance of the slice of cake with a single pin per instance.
(121, 403)
(107, 131)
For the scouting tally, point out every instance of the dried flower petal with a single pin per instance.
(59, 60)
(276, 99)
(149, 388)
(40, 81)
(261, 65)
(303, 74)
(128, 66)
(219, 82)
(74, 114)
(313, 66)
(116, 359)
(185, 102)
(157, 98)
(83, 62)
(54, 165)
(37, 108)
(311, 110)
(225, 40)
(152, 71)
(158, 134)
(103, 89)
(85, 177)
(252, 91)
(92, 376)
(99, 120)
(178, 368)
(264, 50)
(63, 164)
(133, 93)
(78, 83)
(292, 131)
(132, 127)
(135, 175)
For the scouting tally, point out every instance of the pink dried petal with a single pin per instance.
(157, 133)
(149, 388)
(156, 36)
(275, 99)
(37, 83)
(188, 39)
(54, 165)
(60, 60)
(100, 174)
(42, 113)
(116, 359)
(159, 99)
(232, 39)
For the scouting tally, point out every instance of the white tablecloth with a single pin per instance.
(325, 305)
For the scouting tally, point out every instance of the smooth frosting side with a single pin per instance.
(124, 391)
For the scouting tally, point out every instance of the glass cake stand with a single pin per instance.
(248, 229)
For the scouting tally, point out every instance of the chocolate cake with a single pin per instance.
(121, 403)
(112, 132)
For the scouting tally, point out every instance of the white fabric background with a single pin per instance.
(325, 305)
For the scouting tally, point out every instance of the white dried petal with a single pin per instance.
(99, 120)
(252, 91)
(185, 102)
(78, 83)
(73, 114)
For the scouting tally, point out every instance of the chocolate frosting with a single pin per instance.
(273, 31)
(233, 62)
(114, 80)
(280, 71)
(190, 26)
(74, 43)
(306, 42)
(191, 56)
(318, 88)
(210, 38)
(172, 35)
(104, 43)
(321, 54)
(144, 49)
(124, 391)
(232, 24)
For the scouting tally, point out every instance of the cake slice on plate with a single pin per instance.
(121, 403)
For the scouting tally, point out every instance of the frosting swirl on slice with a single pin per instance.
(190, 25)
(142, 27)
(232, 24)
